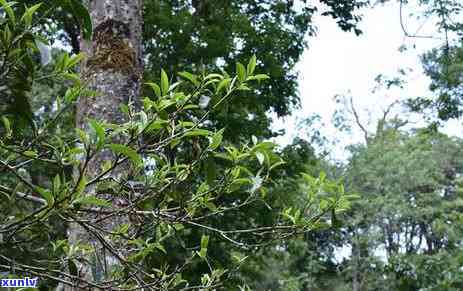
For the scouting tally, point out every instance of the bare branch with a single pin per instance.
(357, 120)
(405, 31)
(23, 195)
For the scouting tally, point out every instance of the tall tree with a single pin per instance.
(413, 178)
(113, 71)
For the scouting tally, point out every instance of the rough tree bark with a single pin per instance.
(113, 68)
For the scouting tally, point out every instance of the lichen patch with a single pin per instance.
(112, 48)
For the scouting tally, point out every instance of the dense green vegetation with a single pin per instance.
(182, 189)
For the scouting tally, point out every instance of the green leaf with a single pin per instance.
(74, 60)
(46, 194)
(264, 146)
(260, 157)
(7, 35)
(81, 186)
(203, 188)
(83, 136)
(287, 213)
(72, 94)
(156, 89)
(213, 76)
(204, 243)
(178, 280)
(322, 176)
(258, 77)
(190, 77)
(128, 152)
(252, 65)
(165, 103)
(156, 125)
(9, 11)
(164, 83)
(71, 77)
(223, 156)
(241, 72)
(28, 14)
(99, 132)
(211, 206)
(238, 183)
(242, 181)
(160, 247)
(61, 61)
(30, 154)
(216, 139)
(7, 125)
(243, 87)
(223, 84)
(186, 124)
(277, 164)
(197, 132)
(92, 201)
(178, 226)
(190, 107)
(124, 108)
(122, 229)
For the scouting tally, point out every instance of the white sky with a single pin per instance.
(337, 62)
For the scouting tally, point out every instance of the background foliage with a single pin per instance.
(402, 231)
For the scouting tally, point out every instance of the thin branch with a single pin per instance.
(357, 120)
(405, 31)
(23, 195)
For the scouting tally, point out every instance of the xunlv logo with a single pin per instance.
(26, 282)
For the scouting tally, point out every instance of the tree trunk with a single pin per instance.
(113, 68)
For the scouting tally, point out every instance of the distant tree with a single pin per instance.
(408, 212)
(403, 232)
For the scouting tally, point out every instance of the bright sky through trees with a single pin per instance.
(338, 62)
